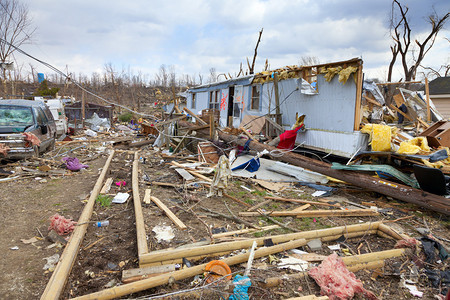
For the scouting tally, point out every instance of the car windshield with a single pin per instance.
(15, 116)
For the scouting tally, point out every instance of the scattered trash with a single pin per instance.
(293, 263)
(240, 291)
(101, 223)
(163, 233)
(216, 270)
(29, 241)
(51, 262)
(14, 248)
(315, 245)
(121, 198)
(405, 283)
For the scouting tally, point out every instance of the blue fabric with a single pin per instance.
(240, 292)
(252, 165)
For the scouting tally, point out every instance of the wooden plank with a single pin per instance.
(148, 193)
(247, 133)
(255, 207)
(373, 101)
(169, 213)
(300, 201)
(142, 273)
(141, 236)
(301, 208)
(315, 213)
(427, 93)
(107, 186)
(397, 83)
(185, 174)
(243, 231)
(195, 116)
(58, 280)
(359, 86)
(169, 121)
(400, 112)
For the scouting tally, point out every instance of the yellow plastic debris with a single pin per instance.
(414, 146)
(380, 136)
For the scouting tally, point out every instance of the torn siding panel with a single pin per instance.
(338, 143)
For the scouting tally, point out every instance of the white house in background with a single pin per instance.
(328, 94)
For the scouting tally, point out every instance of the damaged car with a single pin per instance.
(27, 128)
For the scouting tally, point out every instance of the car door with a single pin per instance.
(43, 132)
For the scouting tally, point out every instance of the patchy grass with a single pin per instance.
(104, 200)
(259, 193)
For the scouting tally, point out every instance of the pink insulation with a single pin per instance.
(30, 137)
(336, 281)
(61, 225)
(4, 149)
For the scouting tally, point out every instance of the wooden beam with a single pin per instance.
(400, 112)
(315, 213)
(397, 83)
(427, 93)
(148, 193)
(300, 201)
(140, 225)
(195, 251)
(195, 116)
(359, 86)
(243, 231)
(107, 186)
(169, 213)
(55, 285)
(152, 282)
(373, 101)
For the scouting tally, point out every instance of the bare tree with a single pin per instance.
(411, 53)
(212, 75)
(309, 61)
(15, 29)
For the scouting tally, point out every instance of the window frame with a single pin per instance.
(254, 98)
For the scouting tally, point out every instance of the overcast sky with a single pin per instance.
(197, 35)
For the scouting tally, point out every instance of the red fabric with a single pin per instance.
(287, 138)
(336, 281)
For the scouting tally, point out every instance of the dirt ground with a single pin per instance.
(28, 203)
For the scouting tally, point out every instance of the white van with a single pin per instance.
(57, 109)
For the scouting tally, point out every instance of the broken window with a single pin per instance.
(193, 100)
(255, 100)
(214, 100)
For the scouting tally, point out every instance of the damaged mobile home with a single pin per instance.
(329, 95)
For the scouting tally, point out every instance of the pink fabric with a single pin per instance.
(407, 243)
(61, 225)
(287, 138)
(336, 281)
